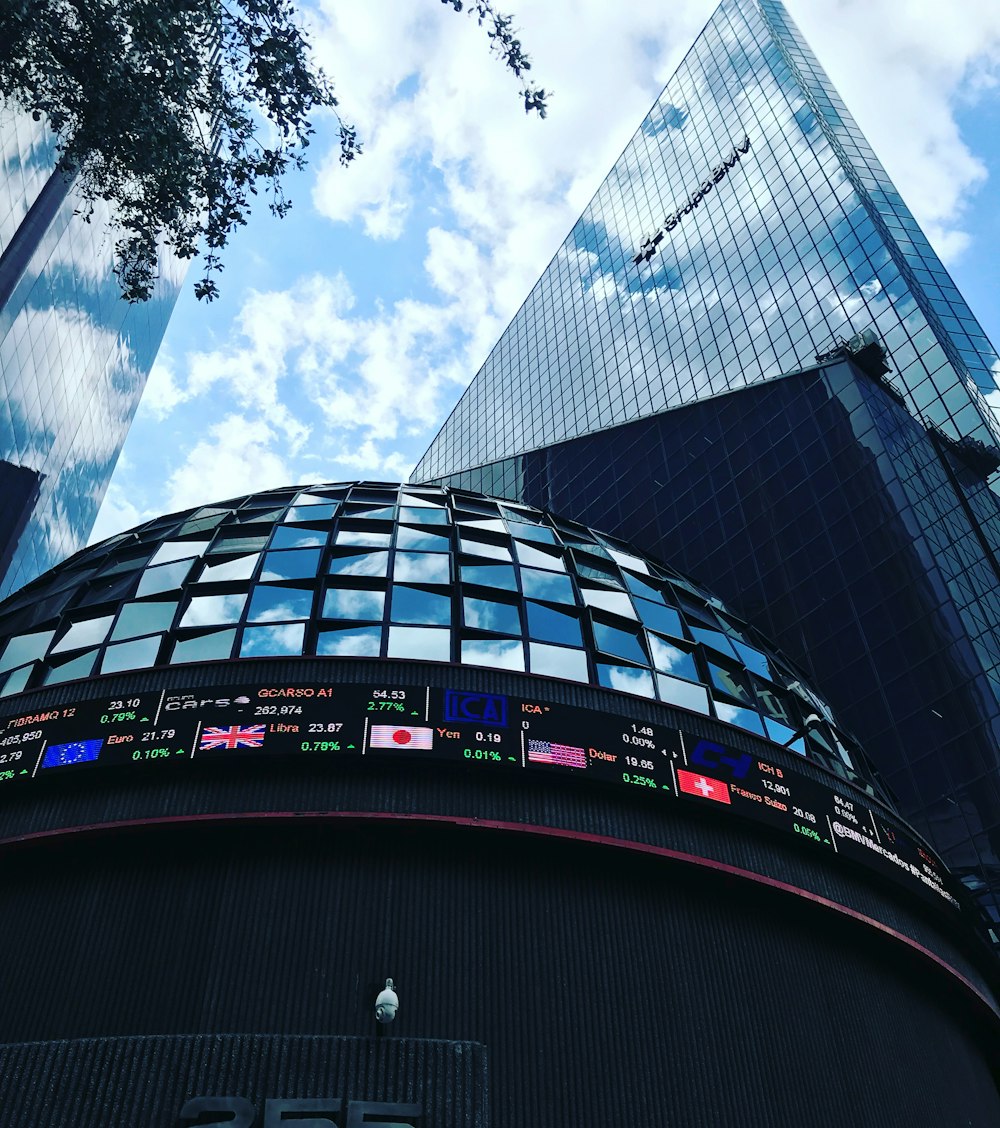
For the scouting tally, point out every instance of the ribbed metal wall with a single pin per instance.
(608, 989)
(214, 790)
(145, 1082)
(111, 796)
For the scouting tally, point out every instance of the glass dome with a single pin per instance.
(371, 570)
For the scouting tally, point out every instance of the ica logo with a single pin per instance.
(708, 754)
(477, 708)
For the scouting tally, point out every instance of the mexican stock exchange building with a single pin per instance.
(619, 860)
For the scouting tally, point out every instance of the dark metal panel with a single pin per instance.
(144, 1082)
(608, 990)
(19, 486)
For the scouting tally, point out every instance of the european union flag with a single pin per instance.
(79, 752)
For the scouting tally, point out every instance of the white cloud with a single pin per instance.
(162, 393)
(237, 456)
(902, 74)
(118, 512)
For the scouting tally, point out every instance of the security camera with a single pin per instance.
(387, 1003)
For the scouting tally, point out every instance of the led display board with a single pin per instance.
(485, 732)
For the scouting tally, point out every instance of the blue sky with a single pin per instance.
(346, 332)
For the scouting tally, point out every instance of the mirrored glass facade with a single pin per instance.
(74, 356)
(370, 570)
(765, 229)
(672, 378)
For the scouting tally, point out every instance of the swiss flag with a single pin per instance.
(703, 786)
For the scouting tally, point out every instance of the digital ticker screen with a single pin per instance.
(484, 731)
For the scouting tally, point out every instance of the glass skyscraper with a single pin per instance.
(802, 241)
(74, 356)
(679, 376)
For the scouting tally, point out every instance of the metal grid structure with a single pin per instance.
(421, 573)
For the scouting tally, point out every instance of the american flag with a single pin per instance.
(233, 736)
(565, 755)
(400, 736)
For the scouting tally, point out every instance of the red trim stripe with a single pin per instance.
(95, 829)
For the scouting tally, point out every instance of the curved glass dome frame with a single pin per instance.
(376, 570)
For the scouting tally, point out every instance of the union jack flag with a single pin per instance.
(234, 736)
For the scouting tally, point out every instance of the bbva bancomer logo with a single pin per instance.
(719, 173)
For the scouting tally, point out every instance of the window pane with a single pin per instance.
(205, 610)
(285, 537)
(359, 642)
(177, 550)
(626, 678)
(775, 704)
(496, 526)
(531, 532)
(205, 648)
(716, 639)
(620, 643)
(779, 733)
(732, 682)
(368, 538)
(78, 667)
(131, 655)
(414, 605)
(413, 516)
(549, 625)
(349, 604)
(490, 575)
(615, 601)
(251, 514)
(360, 564)
(637, 587)
(429, 643)
(746, 718)
(422, 501)
(660, 618)
(167, 578)
(429, 540)
(271, 604)
(239, 569)
(25, 648)
(369, 512)
(143, 618)
(311, 513)
(558, 662)
(315, 501)
(671, 658)
(261, 641)
(627, 560)
(590, 569)
(546, 585)
(474, 547)
(682, 693)
(16, 681)
(422, 567)
(501, 654)
(87, 633)
(535, 558)
(298, 564)
(487, 615)
(754, 660)
(240, 544)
